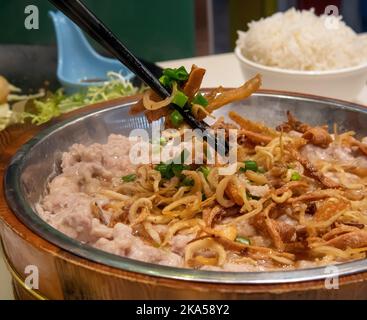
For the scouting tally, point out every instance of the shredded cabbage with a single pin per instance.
(58, 103)
(6, 116)
(46, 107)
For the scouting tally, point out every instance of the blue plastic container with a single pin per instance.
(79, 65)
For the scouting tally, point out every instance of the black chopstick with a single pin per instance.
(77, 11)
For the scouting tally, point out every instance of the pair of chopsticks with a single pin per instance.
(77, 11)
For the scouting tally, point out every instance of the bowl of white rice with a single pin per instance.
(302, 52)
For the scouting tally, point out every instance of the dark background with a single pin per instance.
(154, 30)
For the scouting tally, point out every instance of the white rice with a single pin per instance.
(300, 40)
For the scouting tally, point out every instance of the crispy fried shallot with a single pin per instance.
(210, 214)
(293, 125)
(249, 125)
(355, 239)
(212, 94)
(193, 85)
(290, 186)
(355, 143)
(338, 232)
(329, 208)
(233, 193)
(138, 107)
(254, 137)
(238, 94)
(157, 114)
(285, 230)
(312, 171)
(318, 136)
(313, 196)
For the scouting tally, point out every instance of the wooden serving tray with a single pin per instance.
(66, 276)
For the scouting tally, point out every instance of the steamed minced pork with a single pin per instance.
(300, 40)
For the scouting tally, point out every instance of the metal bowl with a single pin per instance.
(31, 167)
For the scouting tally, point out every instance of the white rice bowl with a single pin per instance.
(300, 40)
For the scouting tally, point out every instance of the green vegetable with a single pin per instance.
(182, 157)
(7, 116)
(243, 240)
(250, 166)
(205, 170)
(181, 167)
(201, 100)
(162, 141)
(168, 171)
(176, 118)
(14, 113)
(165, 170)
(129, 178)
(180, 99)
(187, 182)
(179, 74)
(165, 81)
(251, 197)
(58, 103)
(296, 176)
(175, 168)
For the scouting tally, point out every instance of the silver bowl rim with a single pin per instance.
(30, 218)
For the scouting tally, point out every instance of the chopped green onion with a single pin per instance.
(162, 141)
(205, 171)
(176, 119)
(201, 100)
(180, 99)
(187, 182)
(129, 178)
(251, 197)
(165, 171)
(168, 171)
(178, 168)
(250, 166)
(243, 240)
(179, 74)
(296, 176)
(181, 159)
(185, 154)
(165, 81)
